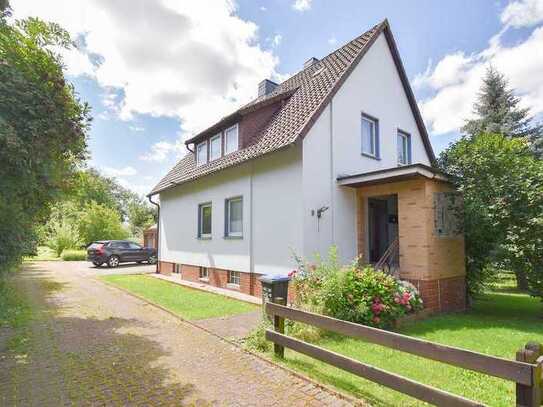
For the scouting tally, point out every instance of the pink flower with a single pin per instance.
(293, 272)
(376, 320)
(397, 300)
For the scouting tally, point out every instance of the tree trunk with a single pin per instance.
(522, 280)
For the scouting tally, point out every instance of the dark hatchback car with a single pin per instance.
(114, 252)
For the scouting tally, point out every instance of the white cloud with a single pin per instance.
(118, 172)
(276, 40)
(192, 60)
(140, 189)
(262, 8)
(162, 150)
(332, 40)
(456, 79)
(301, 5)
(523, 13)
(136, 129)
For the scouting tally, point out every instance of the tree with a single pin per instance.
(497, 110)
(502, 184)
(43, 129)
(140, 217)
(98, 222)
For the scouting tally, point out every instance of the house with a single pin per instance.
(335, 155)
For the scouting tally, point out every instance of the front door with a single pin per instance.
(382, 225)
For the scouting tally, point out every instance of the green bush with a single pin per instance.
(62, 235)
(353, 293)
(74, 255)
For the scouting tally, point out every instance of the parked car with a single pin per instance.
(115, 252)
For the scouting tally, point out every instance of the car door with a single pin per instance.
(122, 249)
(137, 252)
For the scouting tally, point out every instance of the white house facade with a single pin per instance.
(335, 155)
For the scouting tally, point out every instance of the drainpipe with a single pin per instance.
(157, 230)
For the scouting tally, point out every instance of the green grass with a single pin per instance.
(73, 255)
(14, 309)
(499, 324)
(186, 302)
(44, 253)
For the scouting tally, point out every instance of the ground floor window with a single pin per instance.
(234, 277)
(204, 273)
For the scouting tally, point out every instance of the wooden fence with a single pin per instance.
(525, 371)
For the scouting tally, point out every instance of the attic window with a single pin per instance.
(201, 153)
(231, 142)
(318, 71)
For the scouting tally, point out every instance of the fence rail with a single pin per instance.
(526, 371)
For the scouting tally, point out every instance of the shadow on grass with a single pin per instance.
(83, 360)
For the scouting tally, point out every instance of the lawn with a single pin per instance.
(499, 324)
(186, 302)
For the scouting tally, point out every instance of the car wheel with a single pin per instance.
(152, 260)
(113, 261)
(97, 263)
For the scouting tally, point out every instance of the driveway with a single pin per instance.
(91, 344)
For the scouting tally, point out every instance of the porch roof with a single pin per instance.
(392, 175)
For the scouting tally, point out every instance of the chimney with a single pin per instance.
(266, 87)
(311, 61)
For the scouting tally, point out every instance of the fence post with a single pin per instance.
(279, 326)
(530, 396)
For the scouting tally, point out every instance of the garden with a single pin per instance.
(501, 320)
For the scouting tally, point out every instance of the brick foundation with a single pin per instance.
(249, 283)
(444, 295)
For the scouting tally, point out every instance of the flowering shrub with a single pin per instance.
(354, 293)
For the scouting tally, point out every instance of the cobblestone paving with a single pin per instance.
(91, 344)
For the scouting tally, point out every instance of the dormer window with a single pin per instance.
(231, 142)
(201, 153)
(215, 147)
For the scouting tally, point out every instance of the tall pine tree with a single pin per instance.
(497, 111)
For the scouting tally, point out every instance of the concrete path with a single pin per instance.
(91, 344)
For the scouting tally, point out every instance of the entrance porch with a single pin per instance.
(406, 226)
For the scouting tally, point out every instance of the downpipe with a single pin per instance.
(150, 197)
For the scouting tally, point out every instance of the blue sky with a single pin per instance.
(155, 72)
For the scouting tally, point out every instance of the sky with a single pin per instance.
(156, 72)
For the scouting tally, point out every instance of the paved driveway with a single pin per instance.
(91, 344)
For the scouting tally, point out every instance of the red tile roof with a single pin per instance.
(306, 94)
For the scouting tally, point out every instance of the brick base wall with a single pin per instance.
(443, 295)
(249, 283)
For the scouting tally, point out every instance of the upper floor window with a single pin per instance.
(201, 153)
(204, 220)
(234, 217)
(370, 136)
(404, 148)
(215, 147)
(231, 143)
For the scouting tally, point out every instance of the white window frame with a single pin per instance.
(234, 278)
(227, 231)
(235, 126)
(406, 143)
(219, 137)
(375, 136)
(204, 144)
(203, 273)
(201, 234)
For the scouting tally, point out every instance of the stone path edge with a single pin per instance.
(324, 387)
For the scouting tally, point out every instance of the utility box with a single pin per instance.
(273, 287)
